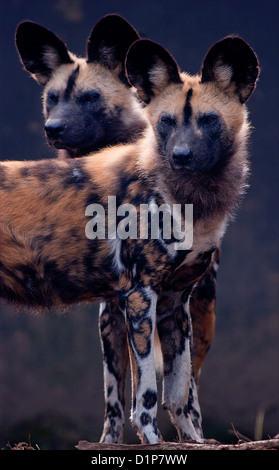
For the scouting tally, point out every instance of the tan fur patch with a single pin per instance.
(203, 317)
(206, 97)
(141, 338)
(93, 75)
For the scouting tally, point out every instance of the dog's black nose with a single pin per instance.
(54, 128)
(182, 155)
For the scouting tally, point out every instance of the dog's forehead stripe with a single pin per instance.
(71, 83)
(188, 108)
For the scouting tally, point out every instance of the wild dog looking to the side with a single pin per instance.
(87, 102)
(193, 152)
(88, 105)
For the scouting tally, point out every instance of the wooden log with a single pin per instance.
(270, 444)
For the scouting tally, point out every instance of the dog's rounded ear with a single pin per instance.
(109, 42)
(233, 65)
(150, 68)
(40, 50)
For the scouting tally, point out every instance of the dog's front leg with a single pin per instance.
(141, 313)
(115, 358)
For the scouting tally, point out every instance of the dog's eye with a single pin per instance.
(209, 119)
(167, 120)
(53, 98)
(89, 96)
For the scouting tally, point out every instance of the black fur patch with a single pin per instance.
(145, 419)
(188, 107)
(71, 83)
(113, 411)
(149, 399)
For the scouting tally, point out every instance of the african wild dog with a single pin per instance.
(94, 90)
(87, 102)
(193, 151)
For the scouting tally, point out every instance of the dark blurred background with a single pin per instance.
(50, 365)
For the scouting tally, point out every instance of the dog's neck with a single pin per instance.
(65, 154)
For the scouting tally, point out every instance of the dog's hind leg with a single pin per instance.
(202, 308)
(179, 387)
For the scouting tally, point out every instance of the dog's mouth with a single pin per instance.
(58, 144)
(71, 151)
(182, 168)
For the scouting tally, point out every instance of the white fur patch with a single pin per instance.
(51, 58)
(115, 248)
(223, 74)
(113, 428)
(158, 75)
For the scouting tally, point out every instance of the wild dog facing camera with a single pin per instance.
(197, 119)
